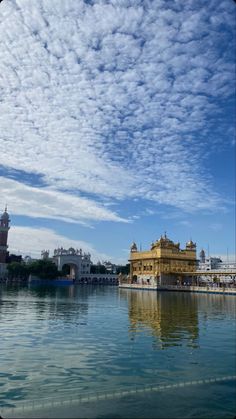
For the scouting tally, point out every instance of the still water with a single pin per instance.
(103, 352)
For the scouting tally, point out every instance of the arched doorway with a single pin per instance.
(134, 279)
(70, 270)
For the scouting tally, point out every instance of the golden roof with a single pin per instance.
(164, 242)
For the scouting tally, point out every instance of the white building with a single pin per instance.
(216, 264)
(213, 263)
(110, 267)
(209, 264)
(78, 261)
(28, 259)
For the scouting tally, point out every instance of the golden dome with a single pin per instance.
(190, 244)
(133, 247)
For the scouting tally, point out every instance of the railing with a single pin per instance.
(189, 288)
(76, 397)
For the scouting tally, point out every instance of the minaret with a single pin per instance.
(202, 256)
(4, 227)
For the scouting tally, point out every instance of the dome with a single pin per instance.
(165, 241)
(190, 244)
(5, 219)
(133, 247)
(5, 215)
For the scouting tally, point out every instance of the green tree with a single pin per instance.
(98, 269)
(17, 270)
(93, 269)
(123, 269)
(102, 269)
(44, 269)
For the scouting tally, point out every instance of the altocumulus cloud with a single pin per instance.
(116, 99)
(49, 203)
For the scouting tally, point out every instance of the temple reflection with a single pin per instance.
(64, 303)
(171, 319)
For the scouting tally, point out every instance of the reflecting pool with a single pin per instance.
(103, 352)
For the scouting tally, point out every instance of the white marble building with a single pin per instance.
(78, 261)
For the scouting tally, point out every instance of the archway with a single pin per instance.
(72, 259)
(70, 270)
(135, 279)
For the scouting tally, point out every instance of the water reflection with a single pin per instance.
(174, 317)
(58, 340)
(6, 303)
(171, 319)
(212, 306)
(47, 302)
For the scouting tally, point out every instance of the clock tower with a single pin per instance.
(4, 227)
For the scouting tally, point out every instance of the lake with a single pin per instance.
(103, 352)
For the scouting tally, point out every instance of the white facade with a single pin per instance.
(111, 279)
(227, 266)
(110, 267)
(146, 280)
(79, 262)
(209, 264)
(216, 264)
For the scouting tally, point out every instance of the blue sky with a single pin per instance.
(117, 124)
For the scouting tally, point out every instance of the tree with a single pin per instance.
(102, 269)
(98, 269)
(17, 270)
(44, 269)
(123, 269)
(93, 269)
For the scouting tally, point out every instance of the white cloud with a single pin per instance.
(31, 241)
(49, 203)
(114, 99)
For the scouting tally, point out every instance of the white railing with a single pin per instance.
(76, 396)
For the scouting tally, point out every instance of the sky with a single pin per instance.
(117, 123)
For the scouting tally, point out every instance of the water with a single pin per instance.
(103, 352)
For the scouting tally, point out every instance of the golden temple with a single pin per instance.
(163, 262)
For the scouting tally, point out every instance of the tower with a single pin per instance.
(4, 227)
(202, 256)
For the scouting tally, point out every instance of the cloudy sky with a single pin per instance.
(117, 124)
